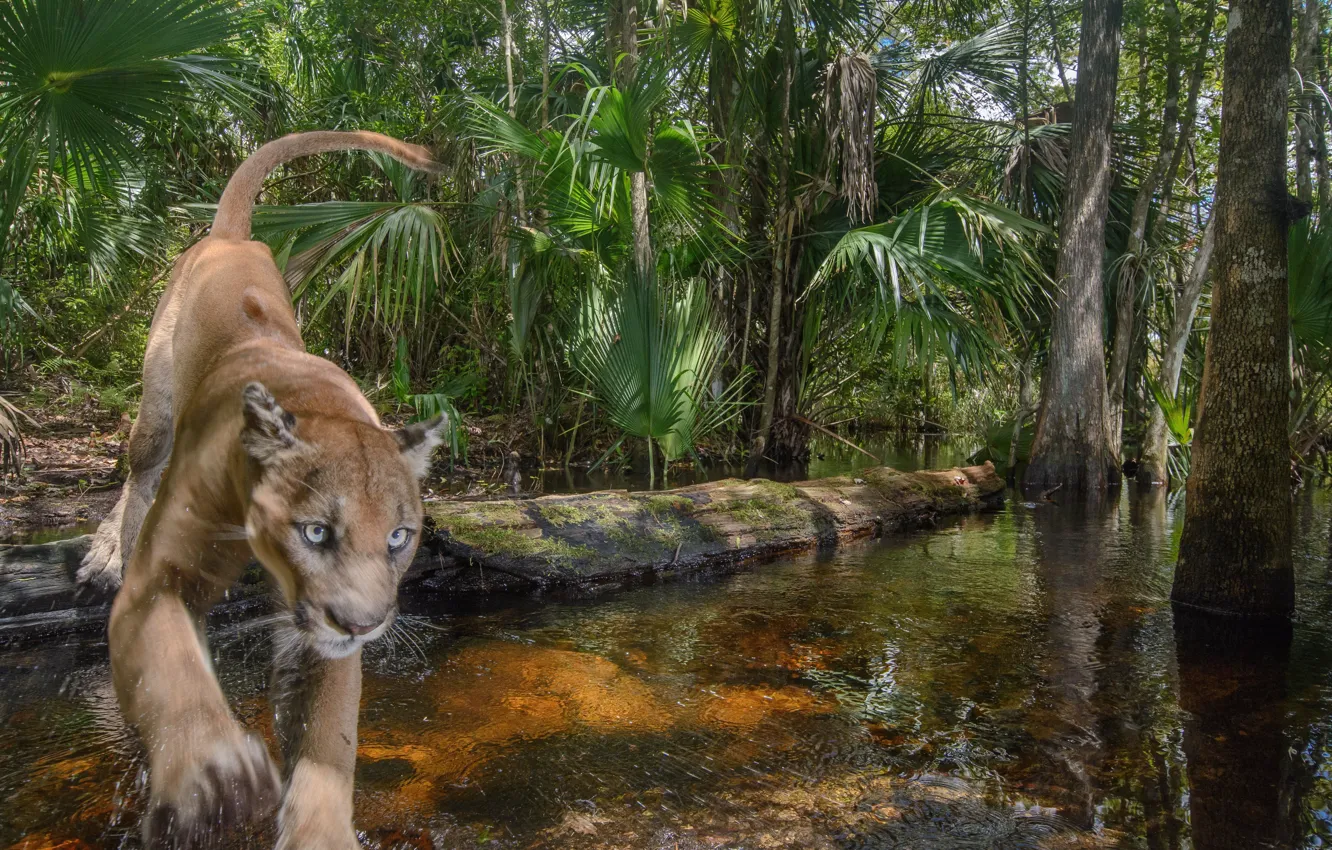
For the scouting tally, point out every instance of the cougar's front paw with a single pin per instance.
(317, 810)
(102, 565)
(231, 781)
(313, 836)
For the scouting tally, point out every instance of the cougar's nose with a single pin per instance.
(351, 625)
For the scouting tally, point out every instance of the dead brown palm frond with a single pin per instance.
(11, 439)
(850, 93)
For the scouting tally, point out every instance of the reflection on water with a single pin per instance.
(1010, 681)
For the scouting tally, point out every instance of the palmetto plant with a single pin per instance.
(649, 356)
(438, 402)
(81, 82)
(385, 260)
(1309, 251)
(945, 273)
(1178, 418)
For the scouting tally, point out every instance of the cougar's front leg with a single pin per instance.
(205, 771)
(317, 701)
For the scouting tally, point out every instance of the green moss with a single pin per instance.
(759, 511)
(497, 540)
(564, 514)
(645, 544)
(667, 506)
(775, 491)
(774, 504)
(458, 514)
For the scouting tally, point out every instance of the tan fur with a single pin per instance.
(243, 445)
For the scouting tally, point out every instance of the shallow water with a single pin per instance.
(1005, 681)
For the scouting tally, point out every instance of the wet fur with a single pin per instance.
(244, 440)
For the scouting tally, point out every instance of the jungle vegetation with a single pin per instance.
(679, 229)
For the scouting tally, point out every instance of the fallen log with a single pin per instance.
(611, 536)
(573, 540)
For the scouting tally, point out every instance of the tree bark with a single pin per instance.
(506, 25)
(545, 64)
(627, 65)
(1189, 117)
(1152, 467)
(1306, 52)
(1071, 446)
(781, 240)
(1056, 52)
(1234, 554)
(1130, 271)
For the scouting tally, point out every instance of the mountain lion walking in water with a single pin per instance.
(271, 453)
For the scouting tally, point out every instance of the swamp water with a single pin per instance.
(1005, 681)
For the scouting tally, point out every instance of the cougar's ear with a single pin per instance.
(418, 440)
(269, 430)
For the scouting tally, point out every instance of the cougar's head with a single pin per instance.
(335, 516)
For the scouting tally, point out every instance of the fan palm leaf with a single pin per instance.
(85, 79)
(648, 358)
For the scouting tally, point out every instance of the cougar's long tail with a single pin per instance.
(233, 211)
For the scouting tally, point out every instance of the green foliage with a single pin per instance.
(1178, 413)
(81, 80)
(900, 200)
(649, 357)
(438, 402)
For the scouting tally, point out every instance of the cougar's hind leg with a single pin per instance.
(149, 449)
(101, 566)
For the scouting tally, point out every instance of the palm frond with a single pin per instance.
(84, 79)
(649, 357)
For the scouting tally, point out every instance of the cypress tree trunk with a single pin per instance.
(781, 246)
(1126, 302)
(1234, 555)
(1071, 446)
(1306, 49)
(1152, 467)
(625, 31)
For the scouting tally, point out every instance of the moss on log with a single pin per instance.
(577, 540)
(615, 535)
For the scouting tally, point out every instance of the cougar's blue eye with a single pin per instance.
(398, 537)
(315, 533)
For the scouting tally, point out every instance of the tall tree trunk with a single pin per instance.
(1189, 117)
(1152, 467)
(1320, 130)
(1152, 464)
(1071, 448)
(1306, 53)
(1234, 554)
(1057, 52)
(1130, 272)
(506, 25)
(781, 240)
(627, 65)
(545, 64)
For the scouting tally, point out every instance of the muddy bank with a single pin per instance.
(572, 541)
